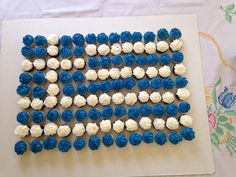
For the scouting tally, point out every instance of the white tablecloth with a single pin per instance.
(217, 26)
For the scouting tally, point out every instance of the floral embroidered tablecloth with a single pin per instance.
(217, 26)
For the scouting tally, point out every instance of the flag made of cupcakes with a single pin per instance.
(93, 90)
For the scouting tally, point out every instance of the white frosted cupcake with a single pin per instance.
(183, 93)
(186, 120)
(51, 76)
(118, 126)
(103, 74)
(53, 39)
(37, 104)
(52, 50)
(91, 75)
(92, 100)
(118, 98)
(179, 69)
(116, 49)
(138, 47)
(131, 125)
(159, 124)
(150, 48)
(66, 64)
(53, 63)
(79, 101)
(36, 131)
(103, 49)
(78, 129)
(50, 101)
(39, 64)
(66, 101)
(172, 123)
(168, 97)
(165, 71)
(162, 46)
(127, 47)
(92, 129)
(79, 63)
(26, 65)
(131, 98)
(91, 49)
(24, 102)
(126, 72)
(143, 96)
(63, 131)
(176, 45)
(155, 97)
(138, 72)
(151, 72)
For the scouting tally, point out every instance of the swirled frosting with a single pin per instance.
(63, 130)
(114, 73)
(53, 89)
(172, 123)
(66, 64)
(138, 47)
(151, 72)
(138, 72)
(131, 98)
(183, 93)
(79, 63)
(103, 49)
(159, 123)
(78, 129)
(92, 100)
(145, 123)
(118, 126)
(22, 131)
(104, 99)
(66, 101)
(39, 64)
(164, 71)
(162, 46)
(79, 101)
(103, 74)
(168, 97)
(186, 120)
(116, 49)
(24, 102)
(50, 129)
(179, 69)
(126, 72)
(53, 63)
(143, 96)
(131, 125)
(155, 97)
(118, 98)
(176, 45)
(92, 128)
(26, 65)
(50, 101)
(91, 75)
(52, 50)
(150, 48)
(105, 126)
(91, 49)
(36, 131)
(127, 47)
(37, 104)
(51, 76)
(53, 39)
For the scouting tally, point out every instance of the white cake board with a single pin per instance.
(144, 160)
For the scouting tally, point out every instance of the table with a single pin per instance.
(217, 23)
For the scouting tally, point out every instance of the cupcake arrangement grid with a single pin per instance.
(103, 90)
